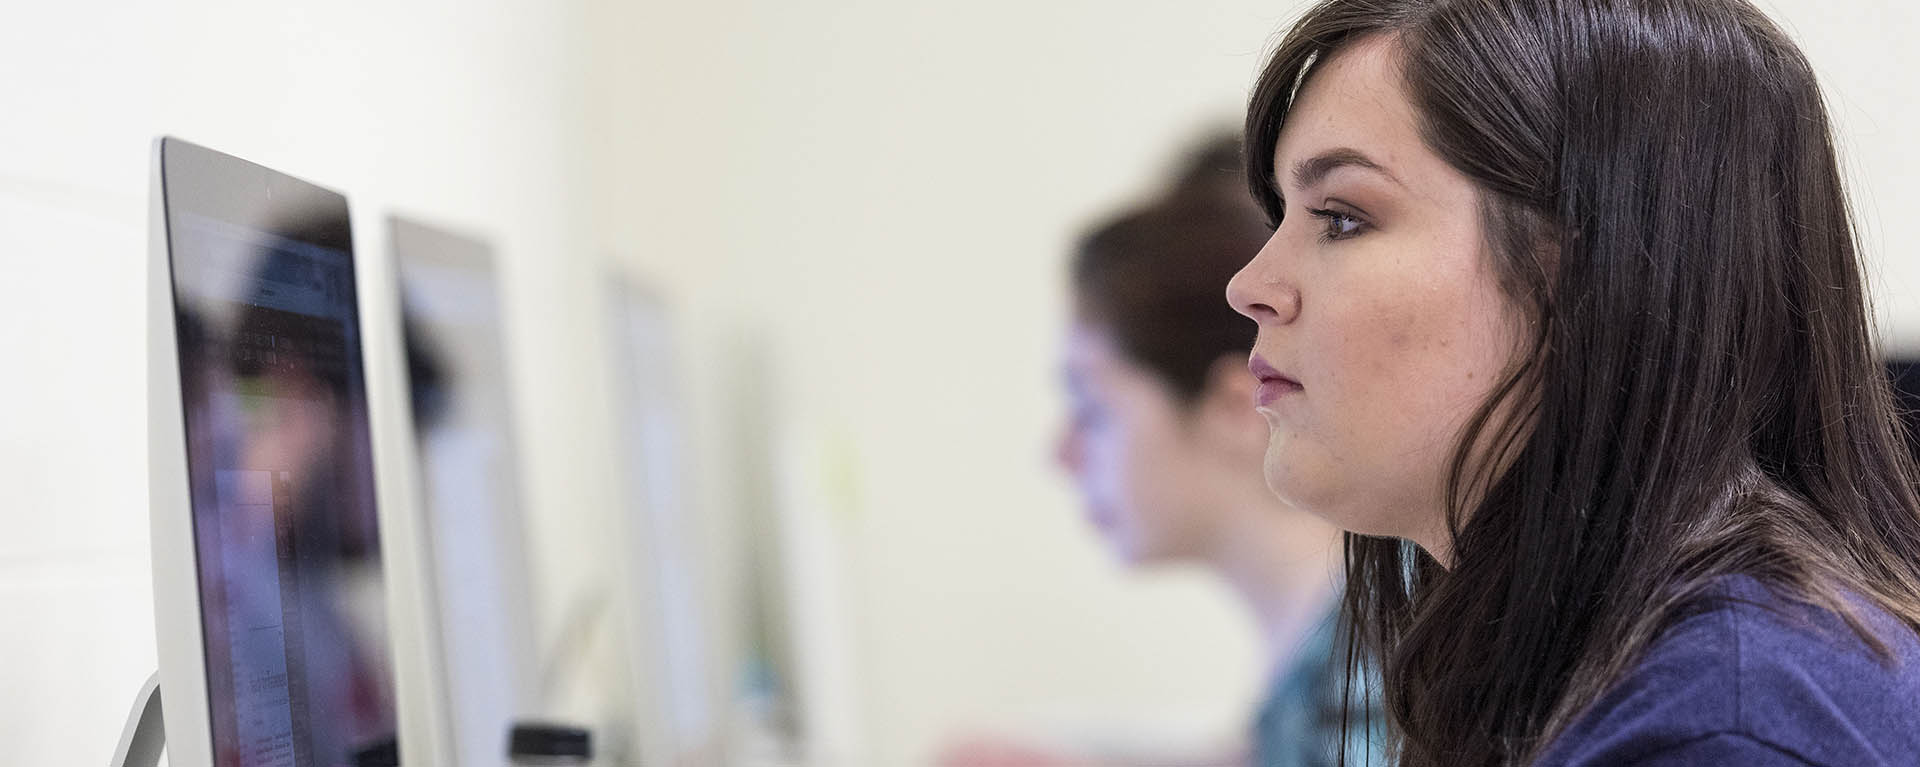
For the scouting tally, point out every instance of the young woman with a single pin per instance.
(1562, 320)
(1166, 453)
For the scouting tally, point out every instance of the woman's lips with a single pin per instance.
(1273, 383)
(1271, 391)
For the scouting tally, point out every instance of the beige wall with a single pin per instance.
(890, 187)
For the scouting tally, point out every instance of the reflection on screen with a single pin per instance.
(283, 498)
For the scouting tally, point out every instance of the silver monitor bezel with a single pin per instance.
(176, 582)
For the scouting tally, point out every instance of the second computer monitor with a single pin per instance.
(473, 524)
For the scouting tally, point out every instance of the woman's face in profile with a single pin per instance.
(1133, 456)
(1381, 325)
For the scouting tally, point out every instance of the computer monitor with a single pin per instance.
(269, 598)
(713, 658)
(483, 667)
(677, 653)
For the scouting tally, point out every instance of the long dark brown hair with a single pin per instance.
(1698, 395)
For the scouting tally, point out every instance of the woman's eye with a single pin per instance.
(1339, 226)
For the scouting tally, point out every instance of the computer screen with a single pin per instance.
(473, 527)
(715, 658)
(679, 668)
(279, 466)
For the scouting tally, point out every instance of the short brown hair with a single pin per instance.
(1154, 276)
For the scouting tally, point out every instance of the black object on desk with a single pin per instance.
(549, 744)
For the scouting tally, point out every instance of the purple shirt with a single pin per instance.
(1758, 681)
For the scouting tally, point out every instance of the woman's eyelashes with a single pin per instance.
(1338, 224)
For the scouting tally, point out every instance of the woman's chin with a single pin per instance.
(1287, 486)
(1336, 509)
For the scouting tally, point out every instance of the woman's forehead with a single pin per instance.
(1354, 106)
(1352, 102)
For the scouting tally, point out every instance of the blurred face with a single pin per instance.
(1133, 453)
(1382, 326)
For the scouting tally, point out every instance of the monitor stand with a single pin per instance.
(145, 736)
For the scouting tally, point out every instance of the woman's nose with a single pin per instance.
(1066, 450)
(1259, 292)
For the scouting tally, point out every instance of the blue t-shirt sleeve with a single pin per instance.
(1721, 749)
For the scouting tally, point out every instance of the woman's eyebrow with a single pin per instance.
(1313, 170)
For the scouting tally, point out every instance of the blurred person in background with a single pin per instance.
(1165, 449)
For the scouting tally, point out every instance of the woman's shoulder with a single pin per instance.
(1762, 679)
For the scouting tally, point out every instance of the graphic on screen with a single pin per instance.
(281, 474)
